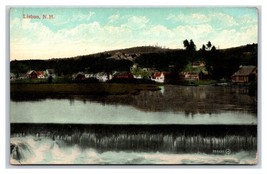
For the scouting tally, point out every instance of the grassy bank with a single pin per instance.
(80, 89)
(57, 80)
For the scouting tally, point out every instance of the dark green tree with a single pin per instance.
(213, 48)
(209, 45)
(186, 44)
(190, 48)
(203, 47)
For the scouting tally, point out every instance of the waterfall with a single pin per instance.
(146, 138)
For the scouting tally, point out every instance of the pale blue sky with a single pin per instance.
(80, 31)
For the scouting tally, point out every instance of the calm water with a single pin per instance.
(170, 105)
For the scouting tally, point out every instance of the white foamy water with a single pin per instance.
(47, 151)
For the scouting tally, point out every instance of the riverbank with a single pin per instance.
(61, 80)
(80, 89)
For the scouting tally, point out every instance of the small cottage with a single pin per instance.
(31, 74)
(40, 74)
(50, 72)
(191, 75)
(78, 76)
(12, 76)
(160, 77)
(198, 64)
(245, 74)
(123, 75)
(103, 77)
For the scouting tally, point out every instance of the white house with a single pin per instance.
(103, 77)
(158, 77)
(12, 76)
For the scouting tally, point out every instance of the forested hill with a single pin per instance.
(140, 50)
(220, 63)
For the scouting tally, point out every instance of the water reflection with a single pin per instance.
(190, 100)
(176, 104)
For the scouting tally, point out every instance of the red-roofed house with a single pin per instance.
(160, 77)
(40, 74)
(123, 75)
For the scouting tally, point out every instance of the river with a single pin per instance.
(175, 125)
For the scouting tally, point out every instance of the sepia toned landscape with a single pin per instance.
(133, 86)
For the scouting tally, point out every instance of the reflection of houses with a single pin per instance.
(31, 74)
(122, 75)
(245, 74)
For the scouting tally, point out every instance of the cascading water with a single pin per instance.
(170, 139)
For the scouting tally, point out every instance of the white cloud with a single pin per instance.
(248, 20)
(225, 19)
(198, 18)
(113, 18)
(232, 37)
(160, 30)
(194, 18)
(95, 37)
(136, 22)
(82, 17)
(91, 14)
(194, 31)
(61, 20)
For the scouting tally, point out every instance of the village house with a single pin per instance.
(137, 76)
(191, 75)
(139, 72)
(160, 77)
(102, 76)
(50, 72)
(88, 75)
(194, 75)
(12, 76)
(31, 74)
(40, 74)
(194, 71)
(122, 75)
(78, 76)
(245, 74)
(134, 66)
(198, 64)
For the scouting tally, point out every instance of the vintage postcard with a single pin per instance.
(133, 86)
